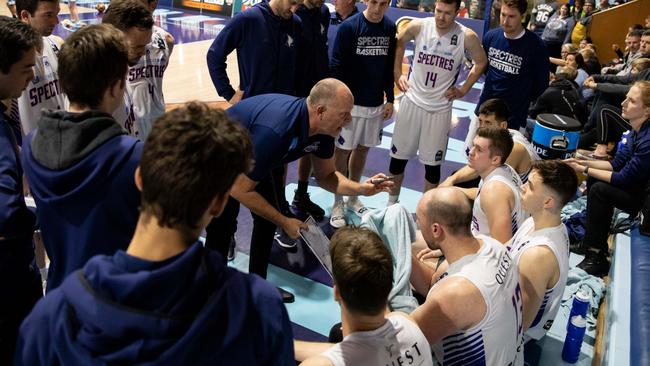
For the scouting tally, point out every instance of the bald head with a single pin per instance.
(326, 92)
(448, 207)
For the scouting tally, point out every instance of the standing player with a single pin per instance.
(134, 19)
(313, 67)
(145, 79)
(265, 38)
(497, 208)
(518, 65)
(20, 284)
(541, 246)
(424, 119)
(11, 5)
(362, 58)
(43, 92)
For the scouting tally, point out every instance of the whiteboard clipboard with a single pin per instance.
(318, 243)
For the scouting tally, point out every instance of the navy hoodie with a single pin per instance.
(313, 64)
(187, 310)
(80, 168)
(266, 53)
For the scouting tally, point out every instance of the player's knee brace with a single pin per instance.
(432, 173)
(397, 166)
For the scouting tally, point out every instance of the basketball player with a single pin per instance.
(518, 65)
(80, 163)
(494, 113)
(473, 308)
(134, 19)
(362, 58)
(11, 5)
(20, 283)
(540, 248)
(424, 118)
(265, 38)
(363, 278)
(497, 208)
(145, 79)
(43, 92)
(312, 68)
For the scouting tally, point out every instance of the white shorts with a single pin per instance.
(419, 130)
(365, 129)
(11, 2)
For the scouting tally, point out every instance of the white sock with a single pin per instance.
(392, 199)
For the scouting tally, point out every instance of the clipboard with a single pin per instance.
(318, 243)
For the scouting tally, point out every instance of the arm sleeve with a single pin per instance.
(267, 147)
(615, 79)
(340, 53)
(637, 169)
(15, 218)
(570, 24)
(540, 81)
(389, 77)
(540, 106)
(609, 88)
(227, 40)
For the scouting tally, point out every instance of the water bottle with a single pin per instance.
(580, 304)
(573, 340)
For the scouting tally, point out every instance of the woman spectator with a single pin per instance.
(558, 30)
(618, 183)
(576, 10)
(591, 60)
(566, 49)
(576, 61)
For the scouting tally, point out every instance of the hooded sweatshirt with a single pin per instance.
(187, 310)
(561, 97)
(80, 168)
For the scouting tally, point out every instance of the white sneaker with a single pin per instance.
(337, 219)
(356, 206)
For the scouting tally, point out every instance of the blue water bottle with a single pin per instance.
(580, 304)
(573, 341)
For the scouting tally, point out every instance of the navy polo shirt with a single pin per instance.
(279, 128)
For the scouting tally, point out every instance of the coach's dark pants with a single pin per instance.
(221, 229)
(20, 285)
(601, 200)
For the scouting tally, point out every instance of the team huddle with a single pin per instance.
(123, 190)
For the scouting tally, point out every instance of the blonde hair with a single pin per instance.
(588, 53)
(644, 88)
(569, 72)
(641, 64)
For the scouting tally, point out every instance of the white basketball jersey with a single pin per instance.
(557, 240)
(124, 115)
(145, 81)
(398, 342)
(44, 92)
(436, 63)
(519, 138)
(509, 177)
(494, 340)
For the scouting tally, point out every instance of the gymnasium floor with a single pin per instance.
(315, 310)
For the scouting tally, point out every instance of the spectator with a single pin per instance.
(566, 49)
(576, 61)
(541, 15)
(591, 61)
(558, 31)
(581, 30)
(633, 52)
(576, 10)
(561, 97)
(618, 183)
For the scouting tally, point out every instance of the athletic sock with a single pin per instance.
(392, 199)
(302, 187)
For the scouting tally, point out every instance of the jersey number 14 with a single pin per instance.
(431, 78)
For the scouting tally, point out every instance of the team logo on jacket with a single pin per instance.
(311, 148)
(454, 40)
(289, 41)
(322, 29)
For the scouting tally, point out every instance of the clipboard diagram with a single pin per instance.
(318, 243)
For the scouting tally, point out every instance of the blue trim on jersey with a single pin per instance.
(464, 349)
(542, 308)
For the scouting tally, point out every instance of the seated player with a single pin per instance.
(80, 163)
(497, 208)
(494, 113)
(473, 308)
(541, 246)
(167, 300)
(363, 278)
